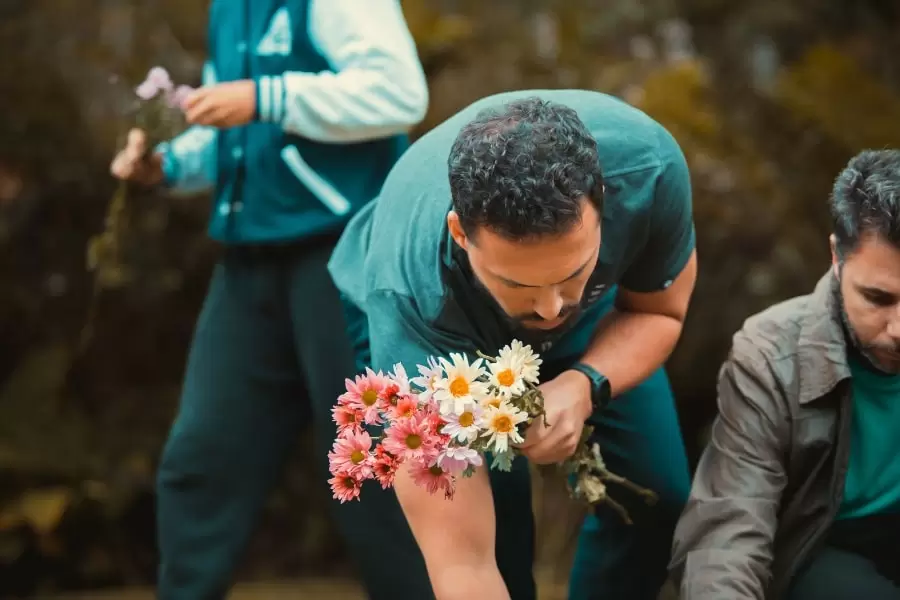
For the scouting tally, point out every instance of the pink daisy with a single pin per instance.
(456, 459)
(406, 406)
(351, 455)
(436, 424)
(364, 394)
(410, 438)
(345, 487)
(348, 419)
(433, 478)
(390, 394)
(384, 467)
(179, 96)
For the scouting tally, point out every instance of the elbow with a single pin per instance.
(417, 102)
(404, 84)
(409, 94)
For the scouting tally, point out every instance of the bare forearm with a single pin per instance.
(457, 538)
(629, 346)
(465, 582)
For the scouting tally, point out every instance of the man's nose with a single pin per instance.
(549, 305)
(893, 328)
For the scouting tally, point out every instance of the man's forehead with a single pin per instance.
(875, 263)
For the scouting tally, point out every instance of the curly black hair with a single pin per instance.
(866, 199)
(523, 170)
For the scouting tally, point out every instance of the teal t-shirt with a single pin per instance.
(397, 262)
(872, 484)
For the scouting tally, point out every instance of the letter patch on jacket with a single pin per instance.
(278, 39)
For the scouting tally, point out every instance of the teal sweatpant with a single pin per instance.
(269, 356)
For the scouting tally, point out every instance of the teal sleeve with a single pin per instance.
(189, 160)
(671, 237)
(399, 334)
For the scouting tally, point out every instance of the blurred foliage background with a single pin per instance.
(769, 99)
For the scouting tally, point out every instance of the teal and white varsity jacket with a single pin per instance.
(339, 85)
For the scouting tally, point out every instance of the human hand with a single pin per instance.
(567, 402)
(223, 105)
(132, 163)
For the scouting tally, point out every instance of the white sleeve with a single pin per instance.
(377, 89)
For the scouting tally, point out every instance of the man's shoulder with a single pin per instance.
(773, 333)
(771, 343)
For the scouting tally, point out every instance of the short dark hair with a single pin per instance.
(866, 199)
(522, 170)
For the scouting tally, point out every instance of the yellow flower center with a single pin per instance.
(369, 397)
(357, 457)
(467, 419)
(413, 441)
(506, 377)
(436, 471)
(502, 424)
(459, 387)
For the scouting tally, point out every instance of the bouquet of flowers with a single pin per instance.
(442, 421)
(157, 111)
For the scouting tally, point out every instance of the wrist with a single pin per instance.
(599, 393)
(586, 407)
(270, 98)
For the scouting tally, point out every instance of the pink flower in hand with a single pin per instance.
(456, 459)
(146, 91)
(157, 81)
(159, 77)
(385, 467)
(406, 406)
(178, 97)
(433, 478)
(410, 438)
(350, 454)
(345, 487)
(348, 419)
(364, 394)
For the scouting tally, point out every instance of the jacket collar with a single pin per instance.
(822, 348)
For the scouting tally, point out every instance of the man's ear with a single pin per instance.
(835, 257)
(456, 230)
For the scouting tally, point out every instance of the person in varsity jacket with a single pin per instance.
(305, 107)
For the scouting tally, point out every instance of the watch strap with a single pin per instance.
(600, 389)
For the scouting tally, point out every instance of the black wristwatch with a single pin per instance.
(601, 393)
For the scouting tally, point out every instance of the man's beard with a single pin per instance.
(535, 336)
(531, 335)
(866, 352)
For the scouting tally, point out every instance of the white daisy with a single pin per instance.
(398, 375)
(500, 424)
(466, 425)
(528, 362)
(461, 385)
(491, 400)
(506, 376)
(429, 375)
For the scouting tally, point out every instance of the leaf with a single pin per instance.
(502, 461)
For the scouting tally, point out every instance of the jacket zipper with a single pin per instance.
(837, 489)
